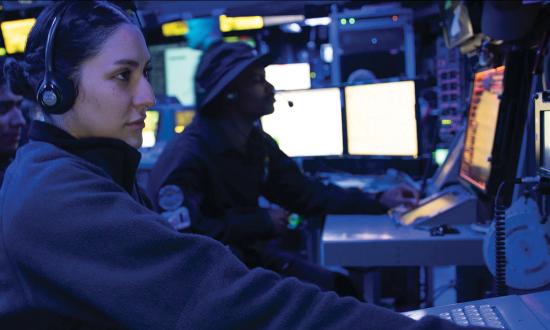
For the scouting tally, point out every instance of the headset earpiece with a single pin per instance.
(56, 95)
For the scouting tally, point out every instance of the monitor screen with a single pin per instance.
(180, 65)
(175, 28)
(157, 76)
(481, 127)
(311, 127)
(545, 160)
(15, 34)
(150, 130)
(288, 76)
(182, 119)
(381, 119)
(542, 133)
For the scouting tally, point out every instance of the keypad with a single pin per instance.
(479, 315)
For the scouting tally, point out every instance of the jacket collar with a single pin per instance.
(117, 158)
(5, 159)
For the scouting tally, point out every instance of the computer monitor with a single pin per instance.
(182, 119)
(545, 160)
(288, 76)
(157, 75)
(150, 130)
(15, 34)
(180, 65)
(481, 127)
(381, 119)
(312, 126)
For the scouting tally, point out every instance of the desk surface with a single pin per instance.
(375, 240)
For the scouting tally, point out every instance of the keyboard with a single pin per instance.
(526, 312)
(479, 315)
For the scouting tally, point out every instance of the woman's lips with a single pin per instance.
(137, 124)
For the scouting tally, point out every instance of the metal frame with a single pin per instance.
(370, 18)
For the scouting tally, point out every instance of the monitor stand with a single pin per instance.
(447, 173)
(452, 206)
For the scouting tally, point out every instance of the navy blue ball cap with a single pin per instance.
(221, 64)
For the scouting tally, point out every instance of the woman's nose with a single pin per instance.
(145, 97)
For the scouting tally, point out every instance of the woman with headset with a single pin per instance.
(80, 247)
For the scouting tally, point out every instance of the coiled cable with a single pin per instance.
(501, 289)
(500, 244)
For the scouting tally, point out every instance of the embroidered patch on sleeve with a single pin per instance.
(170, 197)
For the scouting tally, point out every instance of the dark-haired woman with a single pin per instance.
(11, 122)
(79, 248)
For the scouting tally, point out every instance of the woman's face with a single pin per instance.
(11, 120)
(113, 90)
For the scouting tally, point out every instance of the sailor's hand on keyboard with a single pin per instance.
(399, 195)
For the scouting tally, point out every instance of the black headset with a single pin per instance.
(56, 94)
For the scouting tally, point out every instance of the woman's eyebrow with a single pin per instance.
(129, 62)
